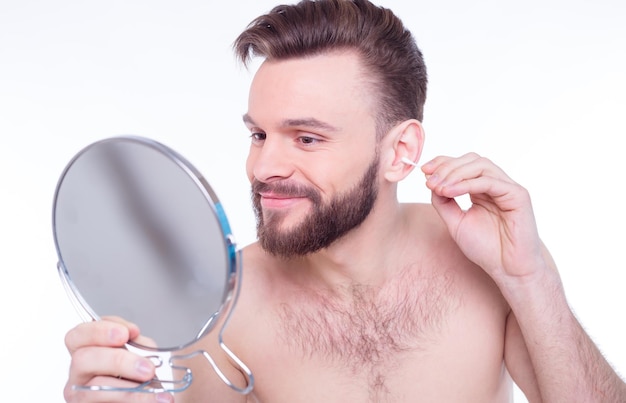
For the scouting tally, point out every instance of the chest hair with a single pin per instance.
(367, 328)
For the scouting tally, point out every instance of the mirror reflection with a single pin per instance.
(141, 235)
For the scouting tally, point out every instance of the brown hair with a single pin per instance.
(387, 49)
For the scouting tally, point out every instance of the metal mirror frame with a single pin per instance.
(229, 299)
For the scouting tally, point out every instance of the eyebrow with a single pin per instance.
(303, 122)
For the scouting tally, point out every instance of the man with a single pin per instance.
(350, 296)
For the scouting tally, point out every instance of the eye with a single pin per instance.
(307, 140)
(257, 137)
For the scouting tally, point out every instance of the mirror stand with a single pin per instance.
(242, 367)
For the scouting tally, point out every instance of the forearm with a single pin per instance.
(567, 364)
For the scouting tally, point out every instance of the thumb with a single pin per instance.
(449, 211)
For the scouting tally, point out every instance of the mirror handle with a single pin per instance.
(242, 367)
(155, 385)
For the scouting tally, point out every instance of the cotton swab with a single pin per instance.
(408, 161)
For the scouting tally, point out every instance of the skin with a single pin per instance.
(419, 301)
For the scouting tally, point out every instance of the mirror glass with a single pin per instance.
(140, 234)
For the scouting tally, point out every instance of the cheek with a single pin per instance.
(330, 182)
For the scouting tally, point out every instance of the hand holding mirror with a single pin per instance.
(141, 235)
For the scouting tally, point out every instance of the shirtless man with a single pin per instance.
(350, 296)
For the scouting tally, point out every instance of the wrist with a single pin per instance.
(535, 280)
(541, 288)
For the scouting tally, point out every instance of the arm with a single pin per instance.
(566, 363)
(518, 362)
(556, 360)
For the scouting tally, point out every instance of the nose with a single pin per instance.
(270, 161)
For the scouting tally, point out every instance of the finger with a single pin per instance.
(133, 329)
(95, 367)
(443, 171)
(495, 188)
(441, 162)
(506, 195)
(98, 333)
(449, 211)
(450, 170)
(144, 341)
(91, 362)
(460, 170)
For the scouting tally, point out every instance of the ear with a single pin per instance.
(405, 140)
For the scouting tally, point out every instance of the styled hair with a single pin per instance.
(386, 48)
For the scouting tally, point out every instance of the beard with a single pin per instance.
(322, 226)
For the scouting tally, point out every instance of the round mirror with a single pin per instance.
(140, 234)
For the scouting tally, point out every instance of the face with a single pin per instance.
(327, 222)
(312, 162)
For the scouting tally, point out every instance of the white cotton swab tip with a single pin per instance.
(408, 161)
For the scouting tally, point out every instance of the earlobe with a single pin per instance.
(406, 149)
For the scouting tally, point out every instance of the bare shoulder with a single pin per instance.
(438, 251)
(428, 229)
(259, 281)
(259, 271)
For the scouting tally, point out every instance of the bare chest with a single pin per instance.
(410, 339)
(367, 328)
(366, 339)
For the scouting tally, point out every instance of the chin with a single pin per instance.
(284, 221)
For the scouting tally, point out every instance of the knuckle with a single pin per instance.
(80, 356)
(523, 191)
(484, 160)
(70, 396)
(67, 393)
(71, 339)
(77, 371)
(119, 360)
(82, 335)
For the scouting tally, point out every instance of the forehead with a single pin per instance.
(325, 86)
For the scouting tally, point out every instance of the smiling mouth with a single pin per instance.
(282, 195)
(274, 200)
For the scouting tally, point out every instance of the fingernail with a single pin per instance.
(164, 398)
(433, 179)
(144, 367)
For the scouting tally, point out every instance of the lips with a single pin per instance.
(277, 195)
(270, 200)
(282, 194)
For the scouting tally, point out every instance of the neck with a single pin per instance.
(360, 258)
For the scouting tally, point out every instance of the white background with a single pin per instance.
(537, 86)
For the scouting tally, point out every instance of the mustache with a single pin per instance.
(285, 188)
